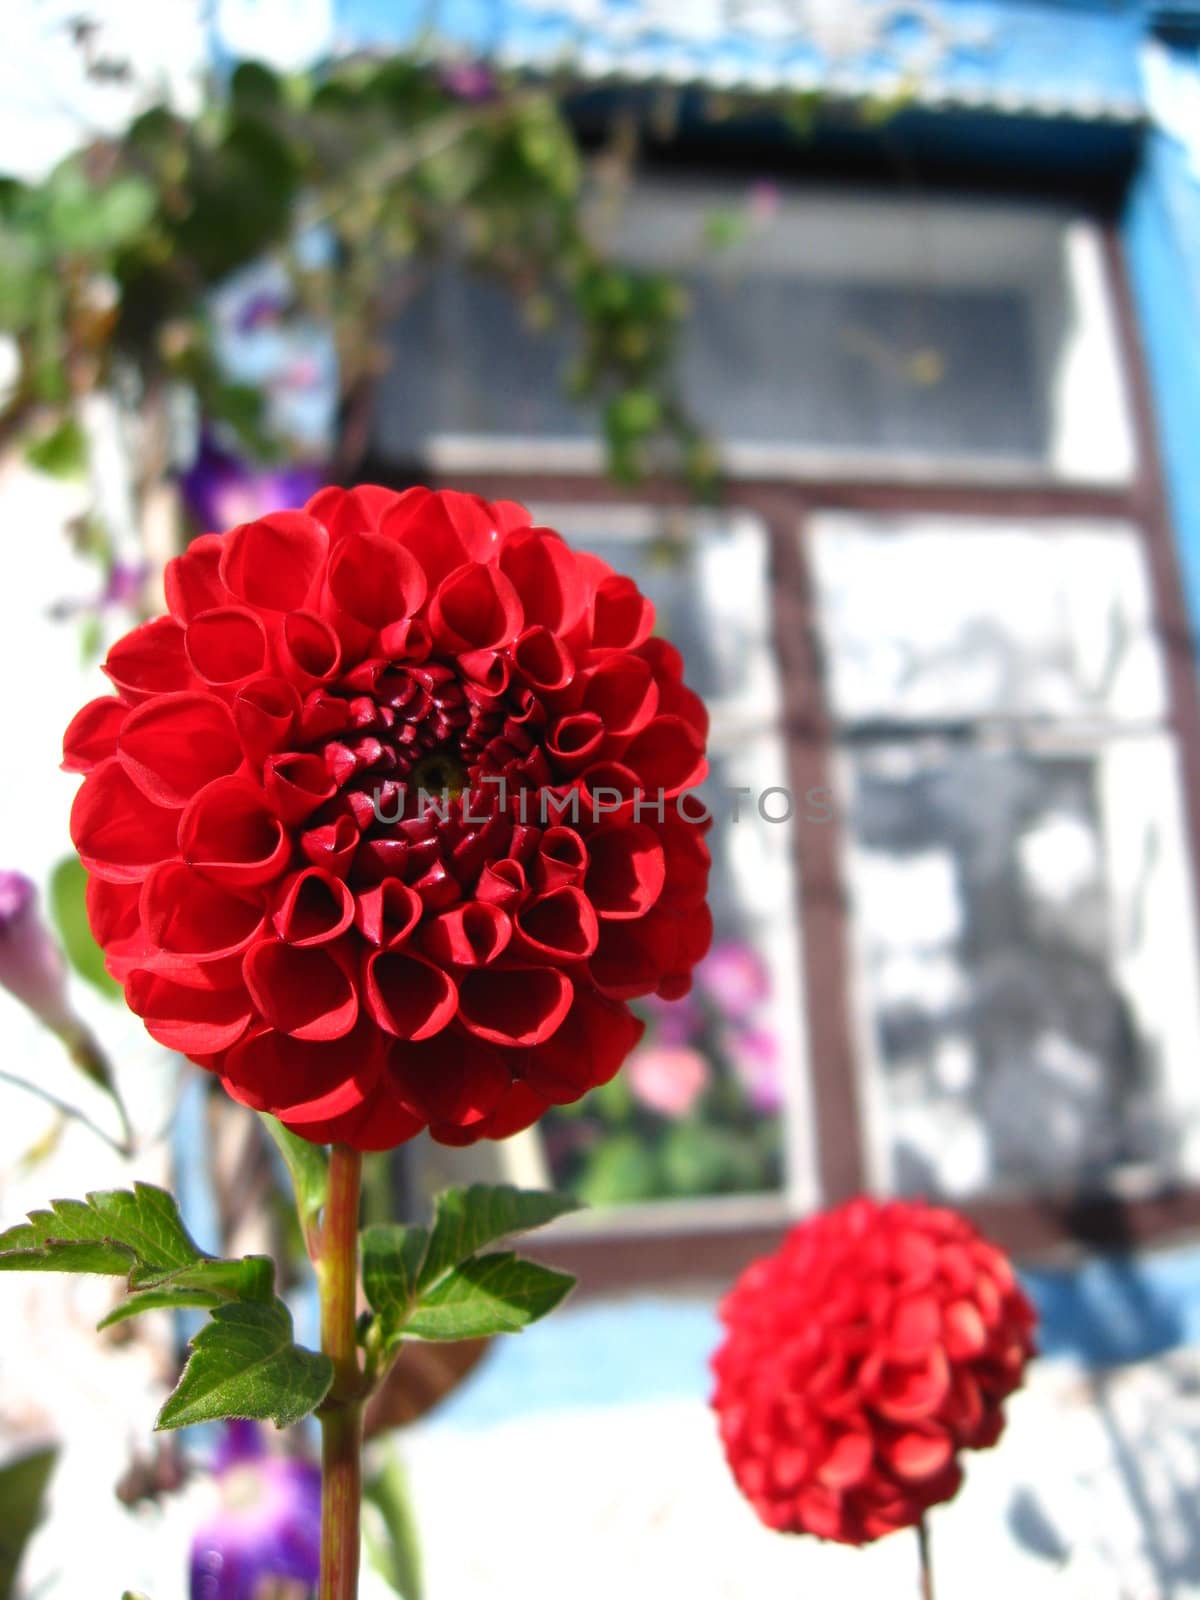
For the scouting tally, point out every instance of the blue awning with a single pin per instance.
(1056, 58)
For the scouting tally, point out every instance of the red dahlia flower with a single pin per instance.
(363, 821)
(859, 1360)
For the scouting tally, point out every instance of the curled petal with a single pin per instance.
(303, 1082)
(444, 1085)
(518, 1006)
(387, 913)
(470, 935)
(332, 845)
(173, 745)
(543, 661)
(407, 995)
(186, 914)
(668, 756)
(296, 785)
(226, 646)
(628, 869)
(265, 712)
(92, 734)
(230, 835)
(622, 692)
(376, 581)
(585, 1051)
(310, 649)
(560, 926)
(622, 617)
(307, 993)
(150, 660)
(275, 562)
(118, 832)
(312, 907)
(197, 1017)
(547, 577)
(192, 581)
(475, 608)
(561, 860)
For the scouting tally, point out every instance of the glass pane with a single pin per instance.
(1000, 940)
(937, 619)
(830, 331)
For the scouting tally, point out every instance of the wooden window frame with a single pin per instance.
(1046, 1226)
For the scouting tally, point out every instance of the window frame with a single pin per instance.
(714, 1245)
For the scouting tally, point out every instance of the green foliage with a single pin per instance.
(62, 453)
(398, 172)
(68, 908)
(245, 1363)
(433, 1283)
(308, 1166)
(393, 1547)
(22, 1490)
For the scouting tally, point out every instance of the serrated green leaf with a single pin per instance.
(498, 1293)
(249, 1278)
(308, 1165)
(68, 907)
(22, 1488)
(245, 1363)
(394, 1549)
(467, 1219)
(116, 1231)
(160, 1300)
(392, 1256)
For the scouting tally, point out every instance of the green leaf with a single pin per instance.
(62, 453)
(137, 1234)
(22, 1488)
(467, 1219)
(245, 1363)
(308, 1165)
(392, 1258)
(490, 1294)
(160, 1300)
(393, 1548)
(68, 887)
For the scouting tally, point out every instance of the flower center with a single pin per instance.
(441, 772)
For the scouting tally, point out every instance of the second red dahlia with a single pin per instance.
(879, 1342)
(383, 821)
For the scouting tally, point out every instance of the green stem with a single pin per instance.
(926, 1560)
(341, 1413)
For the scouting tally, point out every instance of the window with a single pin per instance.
(1016, 858)
(851, 335)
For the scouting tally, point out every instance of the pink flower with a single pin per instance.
(669, 1081)
(31, 964)
(754, 1054)
(735, 976)
(674, 1021)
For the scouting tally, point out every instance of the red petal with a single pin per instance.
(230, 835)
(561, 926)
(275, 562)
(310, 648)
(561, 860)
(196, 1017)
(548, 578)
(622, 616)
(408, 996)
(586, 1049)
(91, 736)
(150, 660)
(187, 915)
(118, 832)
(915, 1456)
(965, 1334)
(475, 608)
(471, 935)
(192, 581)
(514, 1006)
(265, 712)
(375, 580)
(543, 660)
(306, 993)
(387, 913)
(227, 646)
(623, 694)
(575, 742)
(173, 745)
(668, 756)
(296, 785)
(628, 869)
(451, 1079)
(312, 907)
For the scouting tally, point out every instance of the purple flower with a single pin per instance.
(754, 1055)
(468, 80)
(735, 976)
(122, 586)
(31, 964)
(222, 491)
(267, 1525)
